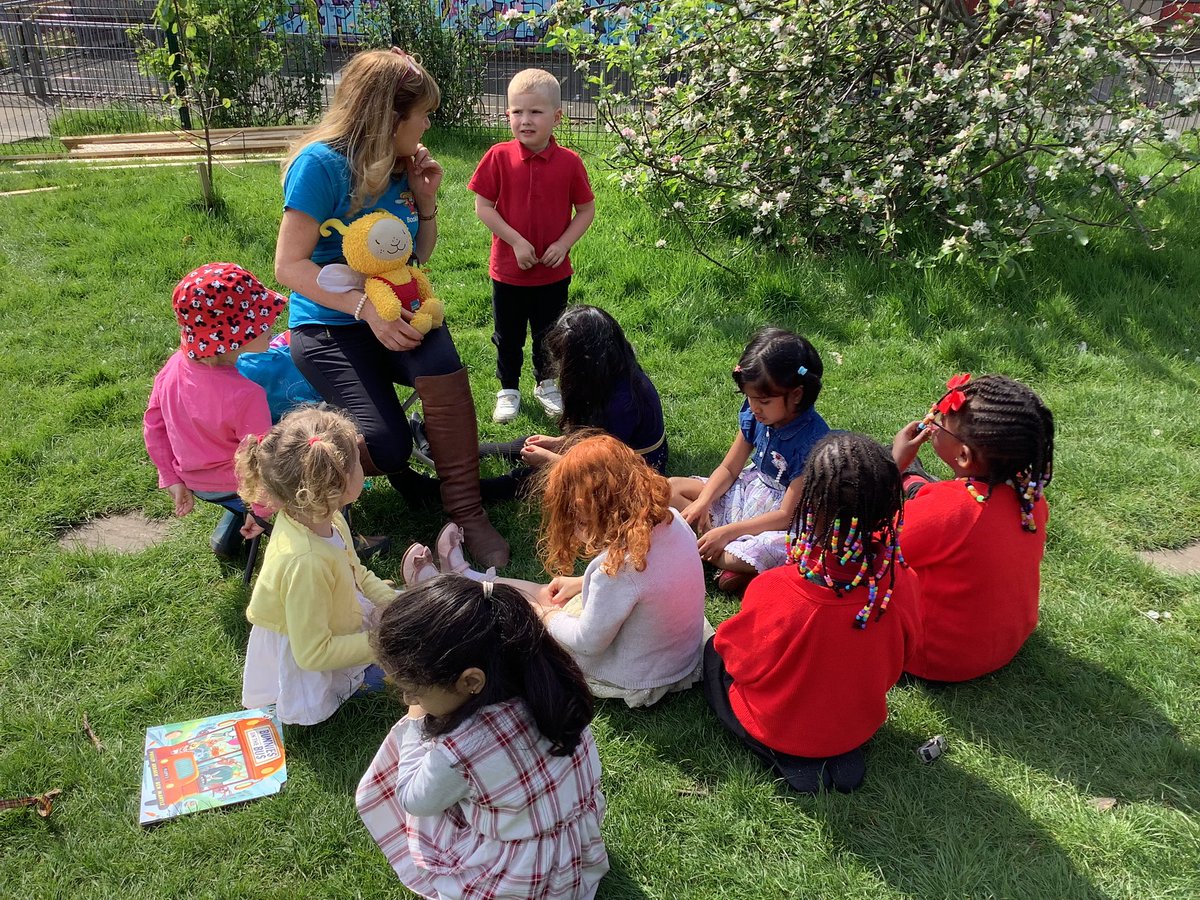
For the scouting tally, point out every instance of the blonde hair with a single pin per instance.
(537, 81)
(303, 464)
(600, 496)
(378, 90)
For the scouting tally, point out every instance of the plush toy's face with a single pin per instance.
(389, 241)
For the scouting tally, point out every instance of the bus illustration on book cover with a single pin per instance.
(206, 763)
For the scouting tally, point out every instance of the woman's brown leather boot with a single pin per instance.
(453, 433)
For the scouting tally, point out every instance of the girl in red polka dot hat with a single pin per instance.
(201, 406)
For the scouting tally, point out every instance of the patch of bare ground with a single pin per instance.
(122, 533)
(1184, 561)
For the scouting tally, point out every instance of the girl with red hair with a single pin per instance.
(634, 621)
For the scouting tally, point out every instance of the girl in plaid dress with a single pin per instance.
(490, 786)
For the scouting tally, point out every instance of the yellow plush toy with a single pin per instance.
(377, 248)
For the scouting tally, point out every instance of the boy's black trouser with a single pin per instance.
(516, 309)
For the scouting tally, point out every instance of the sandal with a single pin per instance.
(913, 478)
(450, 557)
(417, 565)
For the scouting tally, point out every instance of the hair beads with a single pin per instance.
(1014, 431)
(849, 476)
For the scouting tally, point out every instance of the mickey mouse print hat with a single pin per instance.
(220, 306)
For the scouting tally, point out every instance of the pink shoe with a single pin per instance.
(450, 557)
(417, 565)
(734, 582)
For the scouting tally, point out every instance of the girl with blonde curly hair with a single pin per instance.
(314, 602)
(634, 621)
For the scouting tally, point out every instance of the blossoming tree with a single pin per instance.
(985, 123)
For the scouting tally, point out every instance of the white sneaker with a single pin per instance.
(547, 394)
(508, 404)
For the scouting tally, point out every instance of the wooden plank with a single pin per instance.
(281, 131)
(136, 162)
(178, 146)
(231, 147)
(36, 190)
(150, 152)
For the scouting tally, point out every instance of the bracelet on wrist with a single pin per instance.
(358, 309)
(430, 217)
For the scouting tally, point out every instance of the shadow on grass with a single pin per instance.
(943, 832)
(619, 883)
(929, 831)
(1077, 722)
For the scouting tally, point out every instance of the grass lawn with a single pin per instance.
(1103, 702)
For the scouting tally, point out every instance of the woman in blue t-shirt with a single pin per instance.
(366, 154)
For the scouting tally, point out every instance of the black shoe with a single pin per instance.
(367, 546)
(812, 775)
(420, 442)
(915, 477)
(848, 770)
(416, 489)
(500, 487)
(226, 539)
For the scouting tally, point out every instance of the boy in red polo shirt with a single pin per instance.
(535, 197)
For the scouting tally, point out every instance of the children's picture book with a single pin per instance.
(206, 763)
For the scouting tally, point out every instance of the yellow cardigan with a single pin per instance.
(307, 590)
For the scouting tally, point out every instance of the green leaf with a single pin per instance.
(190, 31)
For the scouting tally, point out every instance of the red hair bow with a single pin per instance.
(954, 398)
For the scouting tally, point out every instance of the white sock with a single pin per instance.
(489, 575)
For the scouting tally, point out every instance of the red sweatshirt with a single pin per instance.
(980, 572)
(805, 680)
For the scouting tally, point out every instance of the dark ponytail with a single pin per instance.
(449, 624)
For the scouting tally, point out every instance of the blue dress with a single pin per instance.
(778, 458)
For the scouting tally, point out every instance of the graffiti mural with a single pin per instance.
(498, 22)
(338, 18)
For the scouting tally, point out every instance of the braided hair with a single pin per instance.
(850, 513)
(1014, 432)
(449, 624)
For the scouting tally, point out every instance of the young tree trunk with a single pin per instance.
(204, 170)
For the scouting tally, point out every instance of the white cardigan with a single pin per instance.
(641, 629)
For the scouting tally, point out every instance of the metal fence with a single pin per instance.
(55, 57)
(70, 67)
